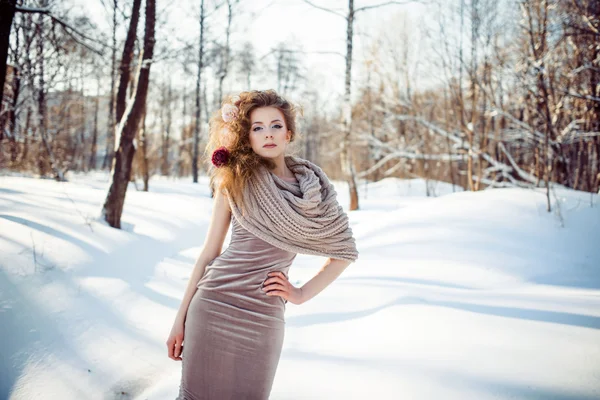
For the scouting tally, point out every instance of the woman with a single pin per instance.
(232, 313)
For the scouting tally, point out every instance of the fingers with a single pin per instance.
(279, 274)
(178, 351)
(174, 347)
(276, 280)
(279, 293)
(276, 276)
(275, 286)
(178, 348)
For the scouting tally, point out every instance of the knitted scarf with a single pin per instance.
(301, 218)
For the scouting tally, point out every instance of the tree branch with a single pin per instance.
(582, 96)
(335, 53)
(325, 9)
(524, 175)
(24, 9)
(65, 25)
(382, 5)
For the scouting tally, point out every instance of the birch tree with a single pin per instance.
(346, 144)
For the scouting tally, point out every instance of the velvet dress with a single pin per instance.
(233, 330)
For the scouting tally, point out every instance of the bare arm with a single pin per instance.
(278, 285)
(213, 244)
(328, 273)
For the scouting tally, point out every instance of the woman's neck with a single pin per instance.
(282, 170)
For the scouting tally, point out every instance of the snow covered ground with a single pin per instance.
(461, 296)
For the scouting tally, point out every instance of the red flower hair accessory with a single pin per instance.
(220, 156)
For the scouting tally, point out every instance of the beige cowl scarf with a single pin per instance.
(304, 218)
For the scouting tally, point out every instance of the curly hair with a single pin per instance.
(243, 162)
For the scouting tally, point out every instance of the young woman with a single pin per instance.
(232, 313)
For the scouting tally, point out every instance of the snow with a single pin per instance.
(460, 296)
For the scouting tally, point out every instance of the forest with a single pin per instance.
(477, 93)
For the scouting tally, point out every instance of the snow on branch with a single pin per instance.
(495, 163)
(528, 129)
(409, 155)
(496, 166)
(524, 175)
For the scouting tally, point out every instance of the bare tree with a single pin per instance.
(166, 111)
(110, 133)
(94, 147)
(41, 103)
(125, 64)
(143, 157)
(8, 9)
(197, 121)
(346, 145)
(7, 14)
(224, 52)
(247, 63)
(288, 68)
(129, 125)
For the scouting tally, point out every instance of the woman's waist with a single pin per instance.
(249, 272)
(249, 301)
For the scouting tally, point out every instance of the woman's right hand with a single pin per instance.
(175, 341)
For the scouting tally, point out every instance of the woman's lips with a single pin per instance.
(270, 145)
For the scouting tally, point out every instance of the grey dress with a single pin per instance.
(233, 331)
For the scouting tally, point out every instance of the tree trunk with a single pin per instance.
(144, 158)
(125, 66)
(224, 70)
(43, 120)
(113, 206)
(110, 134)
(166, 137)
(198, 121)
(346, 153)
(7, 14)
(471, 131)
(92, 160)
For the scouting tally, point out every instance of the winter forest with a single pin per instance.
(475, 93)
(463, 137)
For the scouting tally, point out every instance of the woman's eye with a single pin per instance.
(276, 126)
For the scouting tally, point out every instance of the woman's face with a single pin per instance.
(269, 135)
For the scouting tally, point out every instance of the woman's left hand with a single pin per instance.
(278, 285)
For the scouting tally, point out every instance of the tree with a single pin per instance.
(166, 112)
(110, 137)
(129, 125)
(247, 63)
(7, 14)
(198, 121)
(8, 9)
(346, 145)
